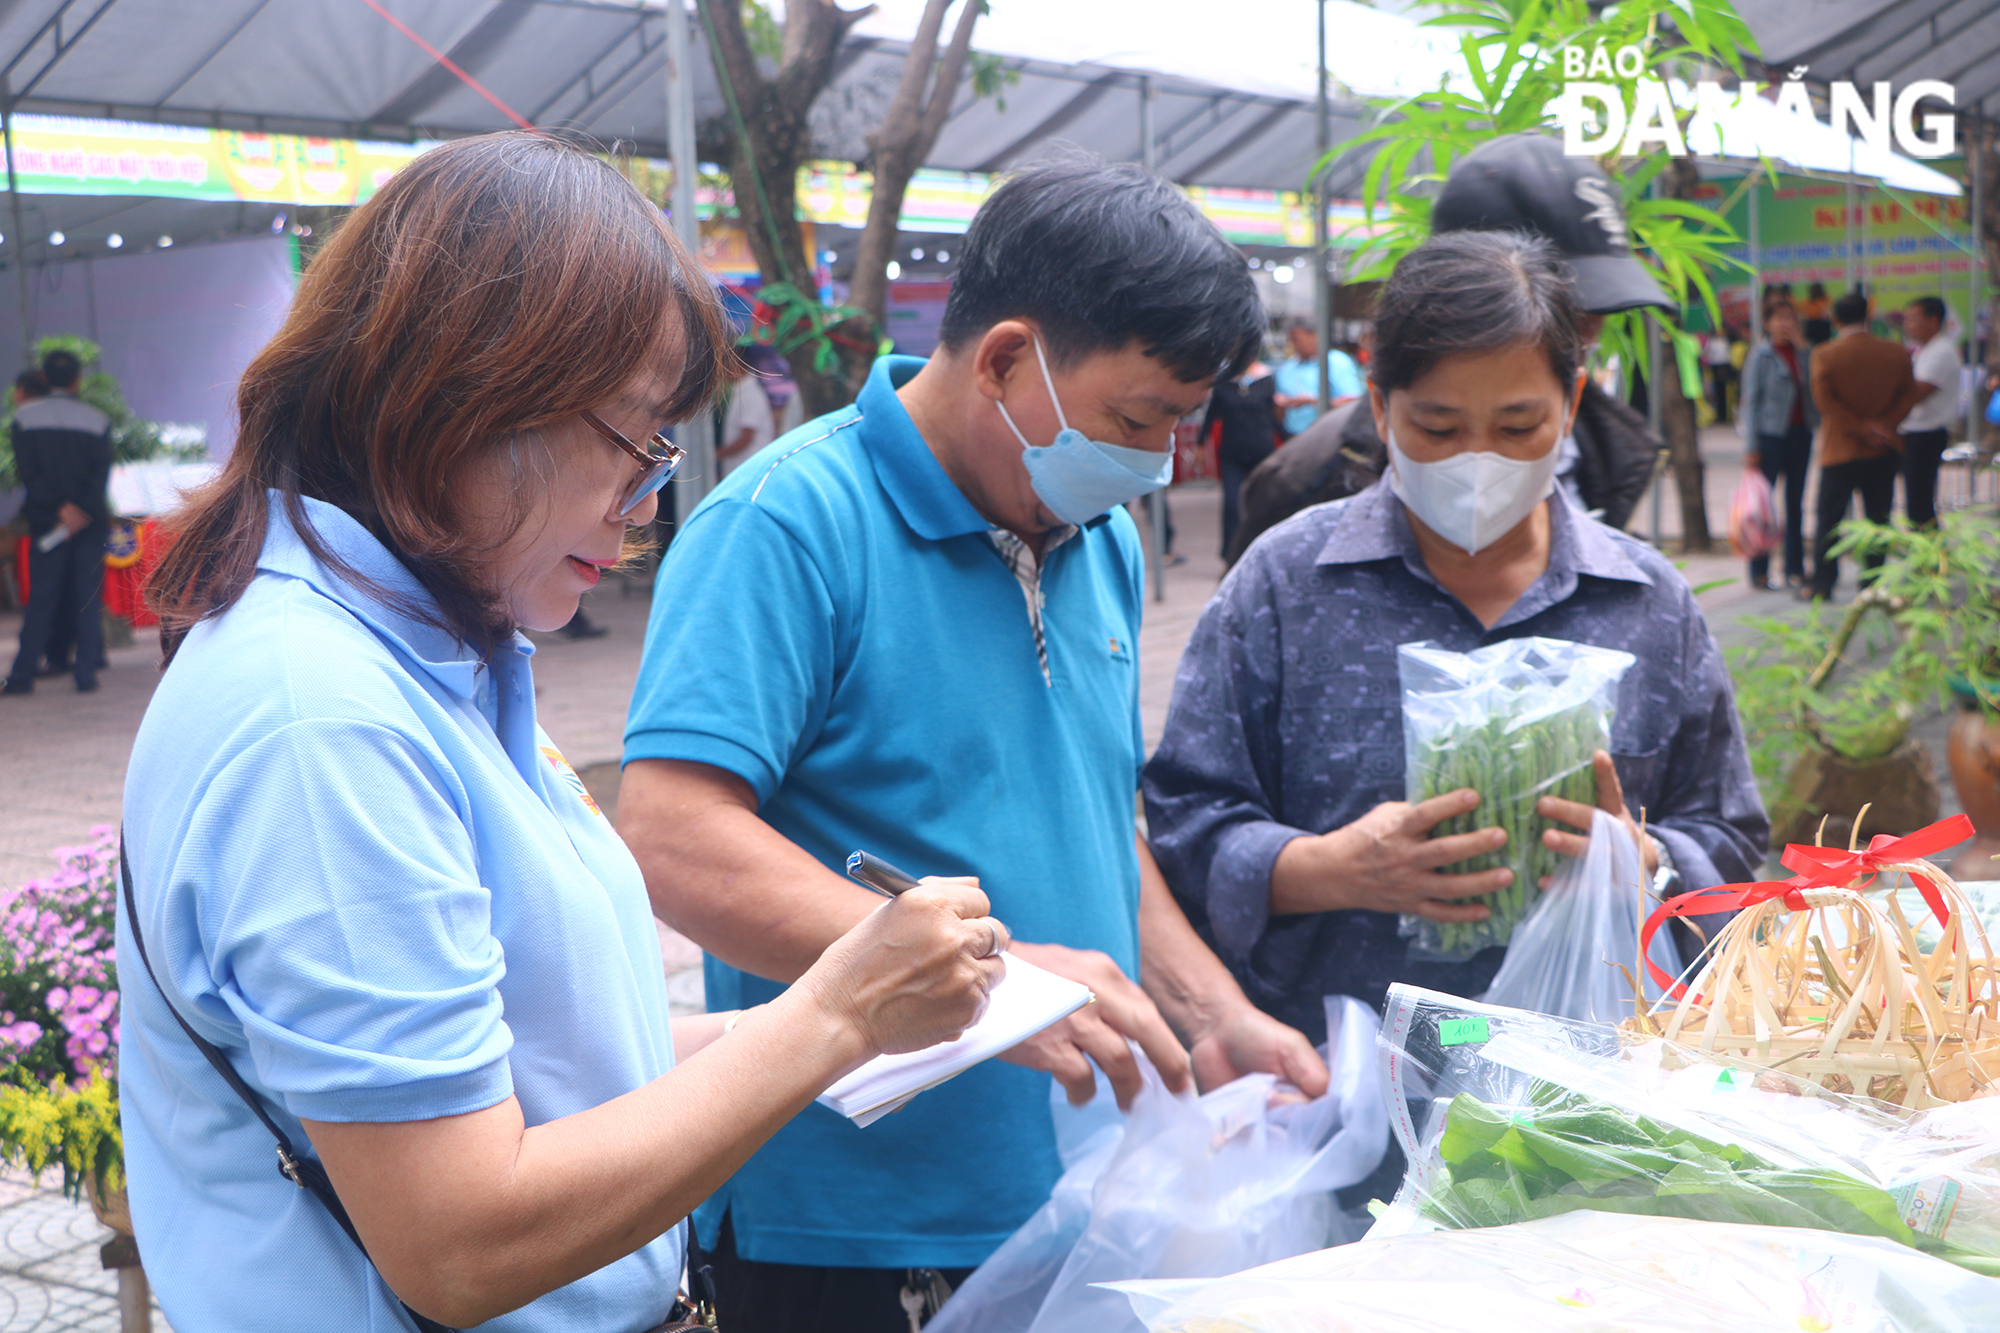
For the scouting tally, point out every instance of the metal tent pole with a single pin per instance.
(1862, 282)
(1756, 261)
(1322, 286)
(20, 238)
(1653, 417)
(1847, 232)
(1156, 501)
(697, 435)
(1975, 270)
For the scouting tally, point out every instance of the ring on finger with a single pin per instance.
(997, 945)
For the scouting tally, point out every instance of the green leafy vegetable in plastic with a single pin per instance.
(1566, 1151)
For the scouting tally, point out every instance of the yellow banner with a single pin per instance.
(75, 155)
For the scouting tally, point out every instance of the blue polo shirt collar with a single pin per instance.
(454, 665)
(1376, 527)
(926, 497)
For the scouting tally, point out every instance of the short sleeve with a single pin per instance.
(1346, 377)
(1938, 367)
(344, 925)
(739, 661)
(1134, 556)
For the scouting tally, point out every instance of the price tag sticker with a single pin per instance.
(1461, 1031)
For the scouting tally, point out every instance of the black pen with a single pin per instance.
(871, 870)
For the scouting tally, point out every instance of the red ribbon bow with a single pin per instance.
(1816, 868)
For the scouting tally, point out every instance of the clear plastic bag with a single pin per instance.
(1755, 527)
(1593, 1273)
(1184, 1187)
(1515, 721)
(1507, 1116)
(1573, 957)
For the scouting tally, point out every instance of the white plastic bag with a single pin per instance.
(1184, 1187)
(1755, 527)
(1590, 1272)
(1586, 1110)
(1563, 958)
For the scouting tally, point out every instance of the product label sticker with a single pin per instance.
(1927, 1205)
(1730, 1080)
(1461, 1031)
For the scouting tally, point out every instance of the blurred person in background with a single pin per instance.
(1239, 412)
(1927, 429)
(62, 453)
(1718, 371)
(58, 651)
(1863, 386)
(1777, 419)
(747, 423)
(1816, 315)
(1522, 183)
(1296, 396)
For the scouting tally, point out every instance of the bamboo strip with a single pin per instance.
(1844, 994)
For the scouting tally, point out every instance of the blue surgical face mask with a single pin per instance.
(1079, 478)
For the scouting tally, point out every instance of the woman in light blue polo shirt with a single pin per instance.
(363, 874)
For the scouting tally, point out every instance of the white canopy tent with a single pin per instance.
(1229, 96)
(1233, 99)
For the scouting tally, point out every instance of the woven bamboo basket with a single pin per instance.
(1841, 994)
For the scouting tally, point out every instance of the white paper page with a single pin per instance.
(1027, 1000)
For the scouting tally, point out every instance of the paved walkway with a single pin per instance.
(51, 1278)
(62, 770)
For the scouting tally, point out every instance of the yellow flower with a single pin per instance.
(74, 1125)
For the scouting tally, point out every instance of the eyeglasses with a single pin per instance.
(656, 466)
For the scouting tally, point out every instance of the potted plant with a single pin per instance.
(1827, 701)
(59, 1027)
(1828, 720)
(1941, 583)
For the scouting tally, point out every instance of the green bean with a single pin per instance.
(1509, 764)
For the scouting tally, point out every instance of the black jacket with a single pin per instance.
(62, 451)
(1249, 427)
(1341, 455)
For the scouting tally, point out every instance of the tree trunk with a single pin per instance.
(1677, 415)
(1679, 425)
(899, 145)
(771, 143)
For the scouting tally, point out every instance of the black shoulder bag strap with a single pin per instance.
(301, 1170)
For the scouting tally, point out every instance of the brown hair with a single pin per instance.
(494, 286)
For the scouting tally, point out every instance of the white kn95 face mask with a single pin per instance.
(1472, 499)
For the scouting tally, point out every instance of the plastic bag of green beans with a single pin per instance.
(1515, 721)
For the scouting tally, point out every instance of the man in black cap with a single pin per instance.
(1526, 183)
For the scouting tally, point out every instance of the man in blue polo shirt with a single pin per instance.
(911, 627)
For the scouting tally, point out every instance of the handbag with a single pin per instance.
(306, 1172)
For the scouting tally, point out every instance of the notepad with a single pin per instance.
(1027, 1000)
